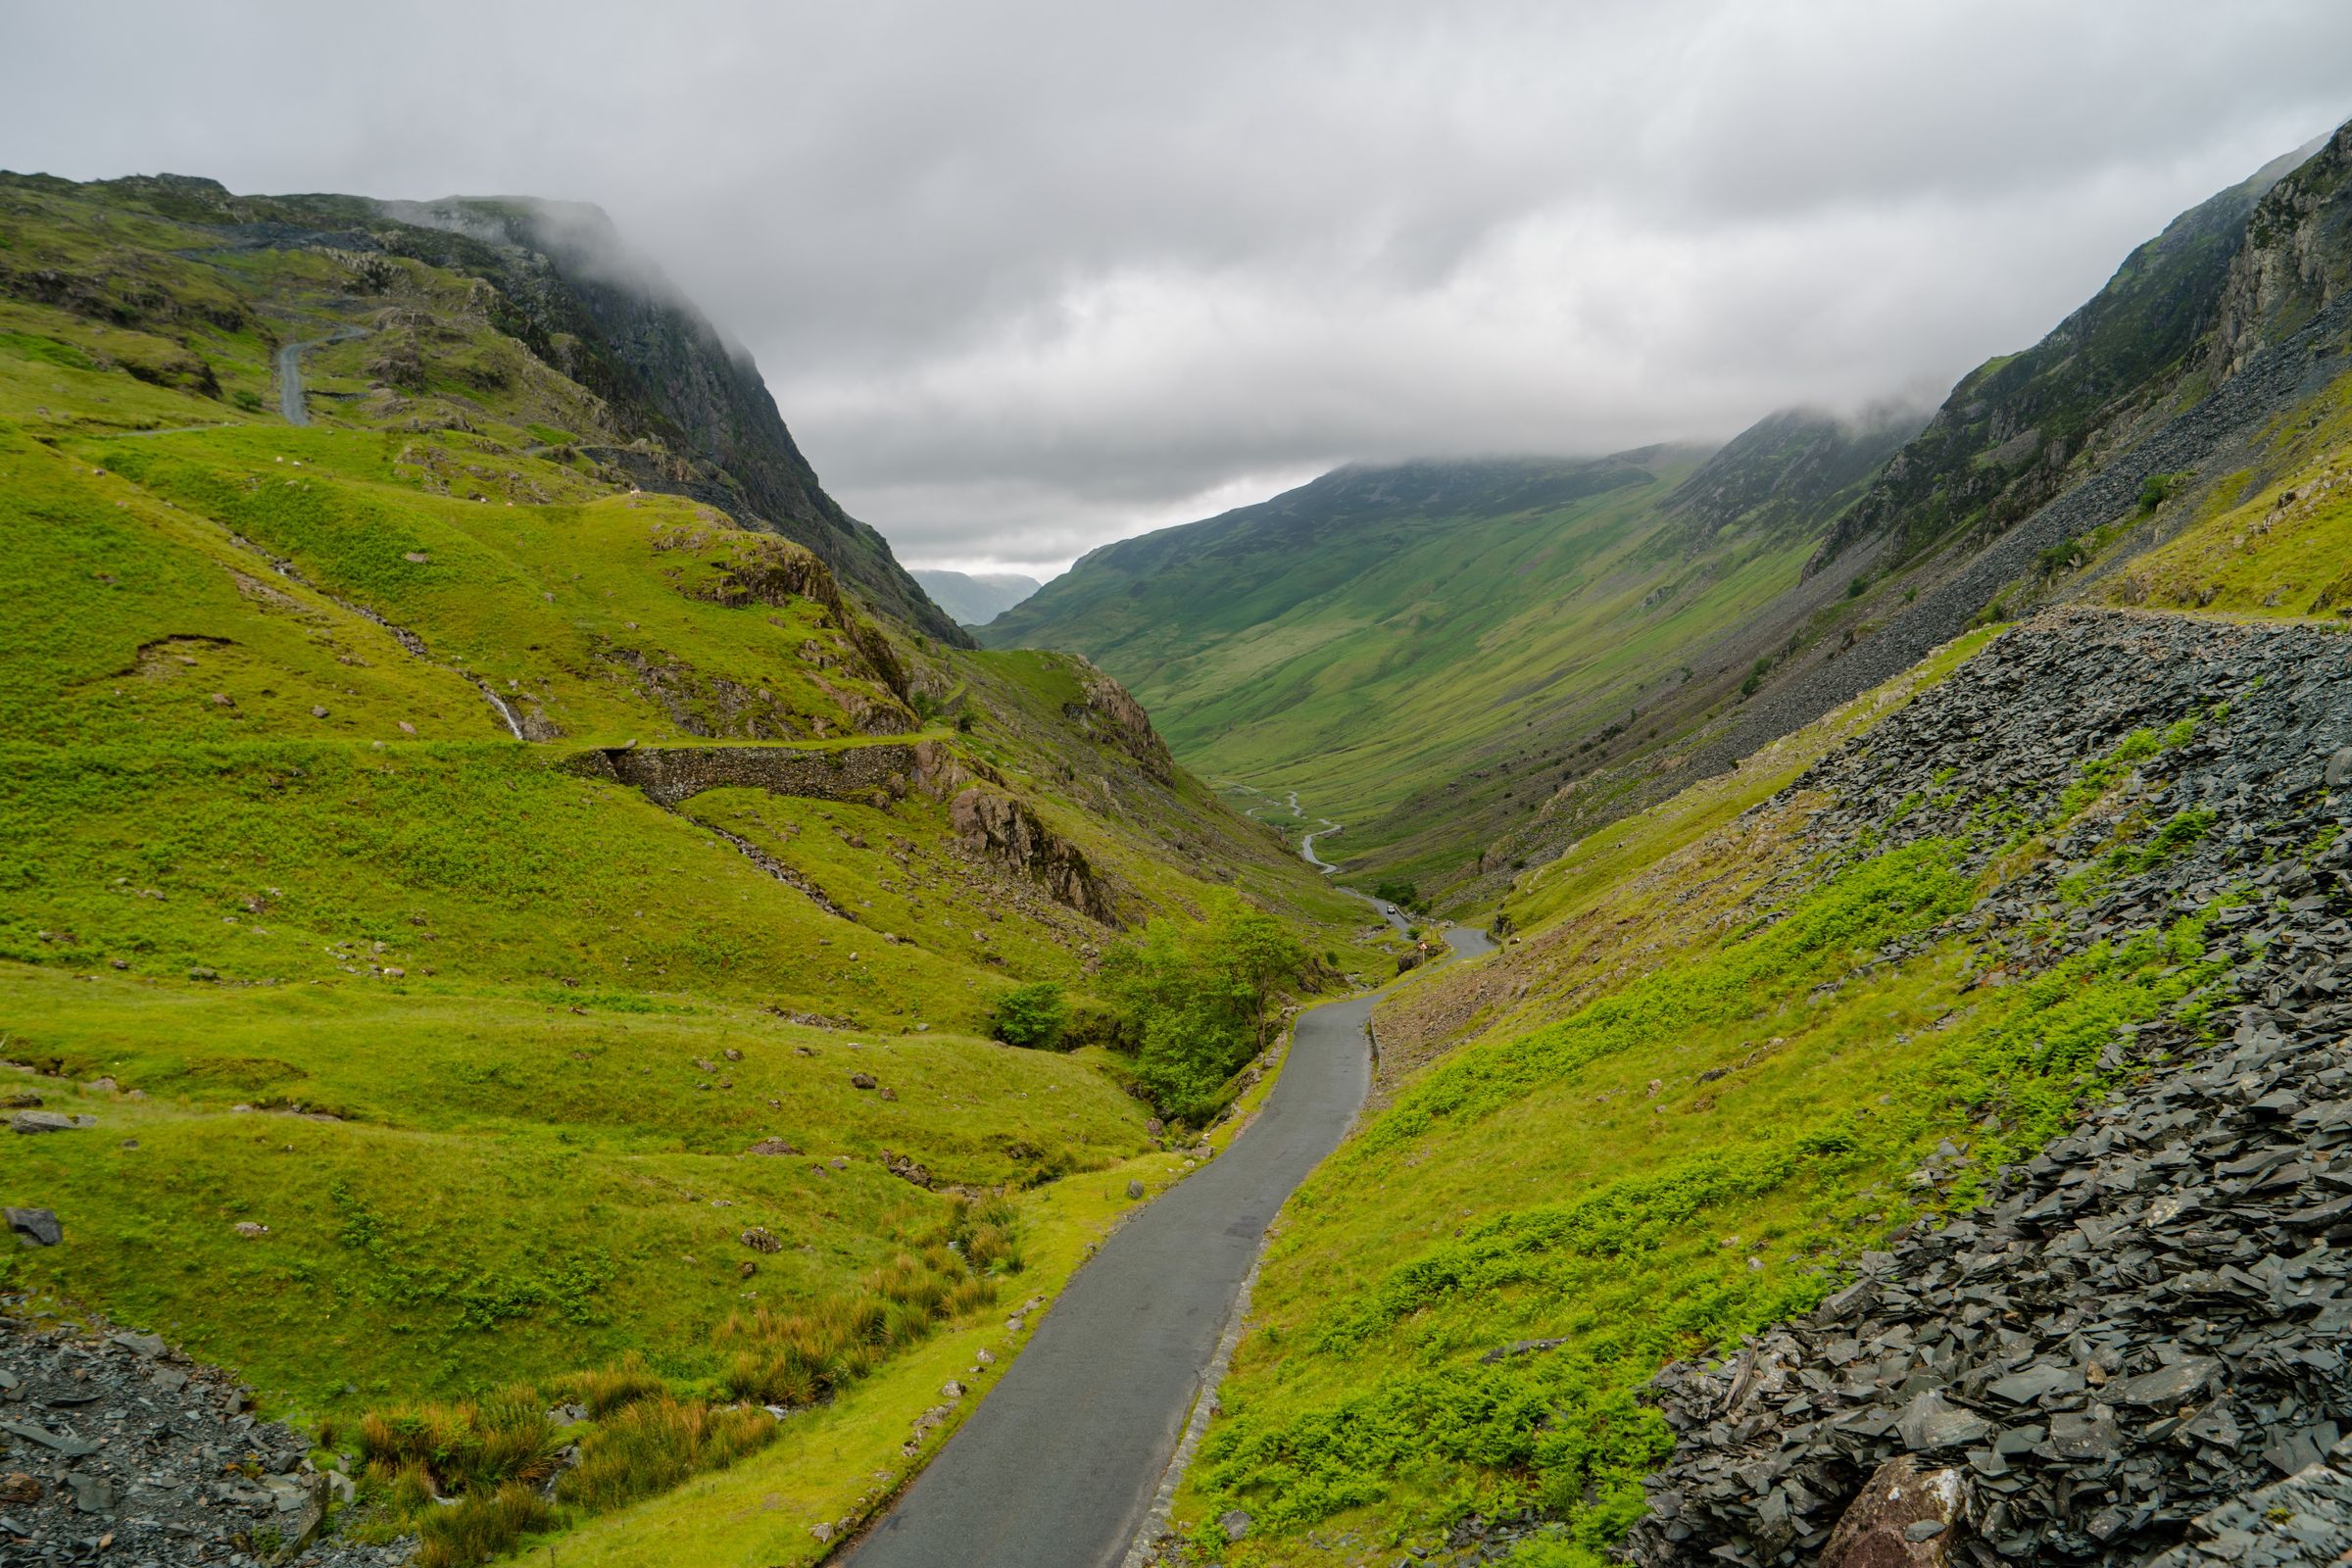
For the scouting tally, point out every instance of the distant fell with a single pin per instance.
(1424, 649)
(975, 599)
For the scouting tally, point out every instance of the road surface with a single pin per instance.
(289, 372)
(1058, 1466)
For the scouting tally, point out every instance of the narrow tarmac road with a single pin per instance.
(289, 372)
(1058, 1466)
(289, 384)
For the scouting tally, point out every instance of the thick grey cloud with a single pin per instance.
(1025, 277)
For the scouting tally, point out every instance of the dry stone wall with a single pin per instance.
(990, 824)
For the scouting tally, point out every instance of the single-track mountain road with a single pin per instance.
(1058, 1466)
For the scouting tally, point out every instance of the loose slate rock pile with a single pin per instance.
(114, 1450)
(2143, 1326)
(2148, 1321)
(2304, 1519)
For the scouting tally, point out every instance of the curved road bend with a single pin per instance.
(1058, 1466)
(289, 384)
(289, 372)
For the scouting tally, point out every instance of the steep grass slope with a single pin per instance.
(1423, 651)
(1743, 1038)
(503, 920)
(1800, 566)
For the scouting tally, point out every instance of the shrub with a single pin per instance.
(1032, 1015)
(1399, 892)
(1091, 1022)
(1857, 588)
(2158, 488)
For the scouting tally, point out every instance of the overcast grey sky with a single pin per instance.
(1028, 277)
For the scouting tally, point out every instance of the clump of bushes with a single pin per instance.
(1033, 1015)
(1197, 999)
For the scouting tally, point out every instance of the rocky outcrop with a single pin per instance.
(2296, 258)
(1006, 833)
(1110, 712)
(1906, 1517)
(775, 573)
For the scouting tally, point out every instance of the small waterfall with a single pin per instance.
(503, 711)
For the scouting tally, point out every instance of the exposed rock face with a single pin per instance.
(2297, 257)
(2146, 1321)
(576, 296)
(1906, 1517)
(1112, 712)
(1004, 831)
(2002, 443)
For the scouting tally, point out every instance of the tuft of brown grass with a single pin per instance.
(654, 1444)
(470, 1445)
(479, 1526)
(799, 1356)
(609, 1389)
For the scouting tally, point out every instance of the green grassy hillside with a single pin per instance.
(1417, 651)
(1472, 664)
(423, 1055)
(1742, 1039)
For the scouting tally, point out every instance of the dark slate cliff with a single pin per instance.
(2018, 429)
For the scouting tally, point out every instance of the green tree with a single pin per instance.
(1199, 1001)
(1032, 1015)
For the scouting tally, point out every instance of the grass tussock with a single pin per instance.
(654, 1444)
(471, 1445)
(474, 1476)
(480, 1526)
(799, 1355)
(605, 1390)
